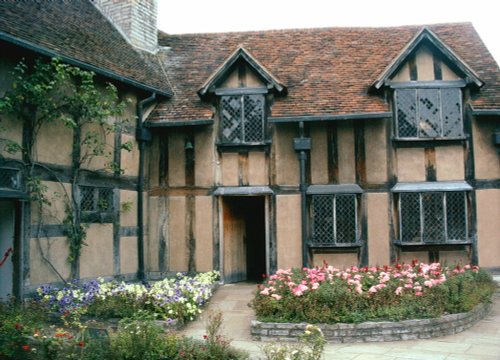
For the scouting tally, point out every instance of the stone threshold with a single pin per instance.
(373, 331)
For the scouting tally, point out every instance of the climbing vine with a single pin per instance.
(44, 92)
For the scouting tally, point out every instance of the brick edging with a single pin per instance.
(374, 331)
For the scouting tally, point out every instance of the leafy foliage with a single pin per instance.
(53, 92)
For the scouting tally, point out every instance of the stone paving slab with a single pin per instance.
(480, 342)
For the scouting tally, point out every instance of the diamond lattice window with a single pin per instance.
(429, 113)
(242, 119)
(433, 217)
(334, 219)
(95, 199)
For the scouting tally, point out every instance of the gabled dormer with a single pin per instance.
(426, 81)
(242, 89)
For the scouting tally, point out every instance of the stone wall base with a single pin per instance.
(374, 331)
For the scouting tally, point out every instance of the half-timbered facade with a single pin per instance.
(255, 151)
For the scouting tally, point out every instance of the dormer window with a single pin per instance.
(242, 119)
(428, 113)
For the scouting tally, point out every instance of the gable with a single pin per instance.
(427, 58)
(240, 69)
(425, 65)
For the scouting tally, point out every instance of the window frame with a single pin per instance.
(243, 93)
(417, 87)
(334, 191)
(444, 192)
(97, 214)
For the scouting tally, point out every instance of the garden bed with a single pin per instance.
(400, 302)
(373, 331)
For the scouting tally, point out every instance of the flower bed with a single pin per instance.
(172, 299)
(390, 293)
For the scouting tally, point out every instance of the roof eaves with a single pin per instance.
(70, 60)
(426, 34)
(222, 70)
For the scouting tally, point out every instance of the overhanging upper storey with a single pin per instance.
(240, 62)
(424, 59)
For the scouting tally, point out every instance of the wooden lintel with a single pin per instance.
(180, 191)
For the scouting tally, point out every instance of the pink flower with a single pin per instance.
(276, 296)
(315, 286)
(372, 290)
(428, 283)
(399, 290)
(265, 292)
(299, 290)
(419, 293)
(409, 286)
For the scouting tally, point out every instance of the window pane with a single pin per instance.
(87, 198)
(254, 118)
(432, 204)
(410, 217)
(451, 102)
(456, 217)
(322, 223)
(428, 112)
(406, 113)
(231, 112)
(345, 211)
(105, 202)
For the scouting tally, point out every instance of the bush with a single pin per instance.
(329, 295)
(310, 347)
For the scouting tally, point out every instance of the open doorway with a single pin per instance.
(244, 243)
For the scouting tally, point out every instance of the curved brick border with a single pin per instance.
(374, 331)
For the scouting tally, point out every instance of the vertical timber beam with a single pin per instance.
(143, 136)
(116, 203)
(302, 144)
(360, 164)
(470, 177)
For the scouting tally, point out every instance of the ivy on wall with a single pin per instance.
(44, 92)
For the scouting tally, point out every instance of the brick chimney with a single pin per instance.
(136, 19)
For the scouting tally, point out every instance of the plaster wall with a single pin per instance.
(56, 250)
(450, 163)
(128, 217)
(176, 159)
(487, 165)
(288, 231)
(378, 228)
(488, 227)
(319, 155)
(258, 169)
(339, 261)
(204, 233)
(286, 165)
(347, 163)
(204, 157)
(97, 257)
(178, 252)
(376, 151)
(128, 255)
(410, 164)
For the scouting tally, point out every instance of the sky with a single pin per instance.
(199, 16)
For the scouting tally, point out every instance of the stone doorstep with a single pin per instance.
(374, 331)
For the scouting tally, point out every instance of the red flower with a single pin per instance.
(26, 347)
(81, 344)
(18, 326)
(205, 337)
(59, 334)
(264, 276)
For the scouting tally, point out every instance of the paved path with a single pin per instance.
(481, 342)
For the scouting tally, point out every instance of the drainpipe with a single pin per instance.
(302, 144)
(142, 136)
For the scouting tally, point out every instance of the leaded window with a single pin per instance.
(429, 113)
(242, 119)
(433, 217)
(9, 178)
(334, 219)
(96, 199)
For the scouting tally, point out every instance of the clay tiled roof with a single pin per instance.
(76, 31)
(326, 71)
